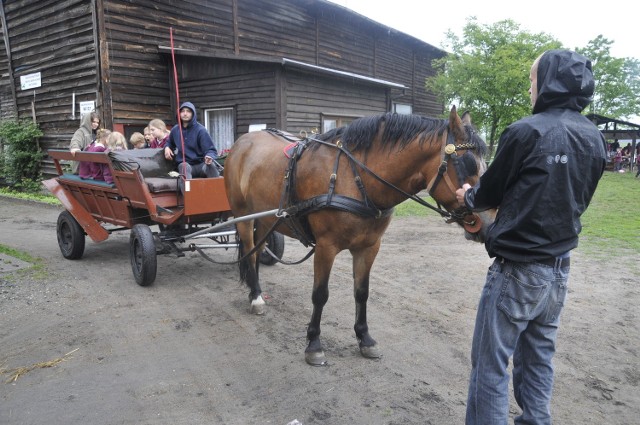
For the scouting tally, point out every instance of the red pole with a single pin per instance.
(175, 81)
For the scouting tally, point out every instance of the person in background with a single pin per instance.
(546, 169)
(83, 136)
(137, 140)
(159, 133)
(148, 137)
(94, 170)
(197, 159)
(117, 142)
(617, 160)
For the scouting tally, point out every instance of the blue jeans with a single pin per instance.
(518, 315)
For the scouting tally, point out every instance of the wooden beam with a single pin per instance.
(103, 66)
(236, 39)
(7, 45)
(621, 134)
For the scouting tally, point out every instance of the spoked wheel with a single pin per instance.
(70, 236)
(142, 253)
(275, 243)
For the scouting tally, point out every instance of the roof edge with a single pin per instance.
(285, 62)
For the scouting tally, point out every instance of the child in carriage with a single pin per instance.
(92, 170)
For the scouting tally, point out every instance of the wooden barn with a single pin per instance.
(298, 65)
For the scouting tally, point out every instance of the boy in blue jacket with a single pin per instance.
(199, 152)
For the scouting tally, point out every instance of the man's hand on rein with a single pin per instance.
(460, 193)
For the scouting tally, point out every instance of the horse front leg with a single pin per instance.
(362, 262)
(322, 264)
(249, 267)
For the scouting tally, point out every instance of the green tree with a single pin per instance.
(21, 154)
(488, 73)
(617, 92)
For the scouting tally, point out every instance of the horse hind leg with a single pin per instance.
(362, 262)
(249, 273)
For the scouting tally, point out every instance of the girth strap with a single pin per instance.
(339, 202)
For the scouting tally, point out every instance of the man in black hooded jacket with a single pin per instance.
(544, 174)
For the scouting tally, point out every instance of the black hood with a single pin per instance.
(565, 80)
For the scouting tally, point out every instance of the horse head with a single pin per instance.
(462, 162)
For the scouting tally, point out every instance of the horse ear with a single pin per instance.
(455, 125)
(466, 118)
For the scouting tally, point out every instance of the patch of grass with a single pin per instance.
(611, 222)
(410, 208)
(39, 197)
(36, 271)
(17, 254)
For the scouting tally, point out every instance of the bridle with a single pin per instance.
(461, 215)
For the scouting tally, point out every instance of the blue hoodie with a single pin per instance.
(197, 142)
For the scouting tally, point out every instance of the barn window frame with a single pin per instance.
(220, 122)
(331, 121)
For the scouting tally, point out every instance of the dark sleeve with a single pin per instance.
(206, 144)
(171, 142)
(503, 170)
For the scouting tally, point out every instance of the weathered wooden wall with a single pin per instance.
(314, 32)
(108, 51)
(248, 87)
(309, 96)
(7, 104)
(56, 39)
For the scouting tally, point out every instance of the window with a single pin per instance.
(330, 122)
(401, 108)
(220, 123)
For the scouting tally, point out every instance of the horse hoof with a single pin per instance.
(315, 358)
(257, 306)
(371, 352)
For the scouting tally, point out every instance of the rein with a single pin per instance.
(450, 149)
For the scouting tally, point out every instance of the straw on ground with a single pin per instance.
(14, 374)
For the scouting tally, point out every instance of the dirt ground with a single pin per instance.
(186, 351)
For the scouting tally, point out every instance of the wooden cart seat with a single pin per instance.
(77, 179)
(161, 185)
(153, 166)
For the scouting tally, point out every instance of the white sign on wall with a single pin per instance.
(256, 127)
(87, 107)
(30, 81)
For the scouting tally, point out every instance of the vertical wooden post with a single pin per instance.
(103, 65)
(236, 41)
(7, 45)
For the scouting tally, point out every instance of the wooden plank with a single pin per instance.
(203, 196)
(96, 232)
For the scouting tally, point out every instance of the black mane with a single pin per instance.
(399, 130)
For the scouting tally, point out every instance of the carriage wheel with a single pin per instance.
(142, 253)
(70, 236)
(275, 243)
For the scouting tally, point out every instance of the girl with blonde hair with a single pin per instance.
(159, 133)
(117, 142)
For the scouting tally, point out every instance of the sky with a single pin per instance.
(571, 22)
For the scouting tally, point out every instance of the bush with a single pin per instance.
(20, 154)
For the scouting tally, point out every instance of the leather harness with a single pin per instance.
(294, 211)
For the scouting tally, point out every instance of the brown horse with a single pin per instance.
(338, 192)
